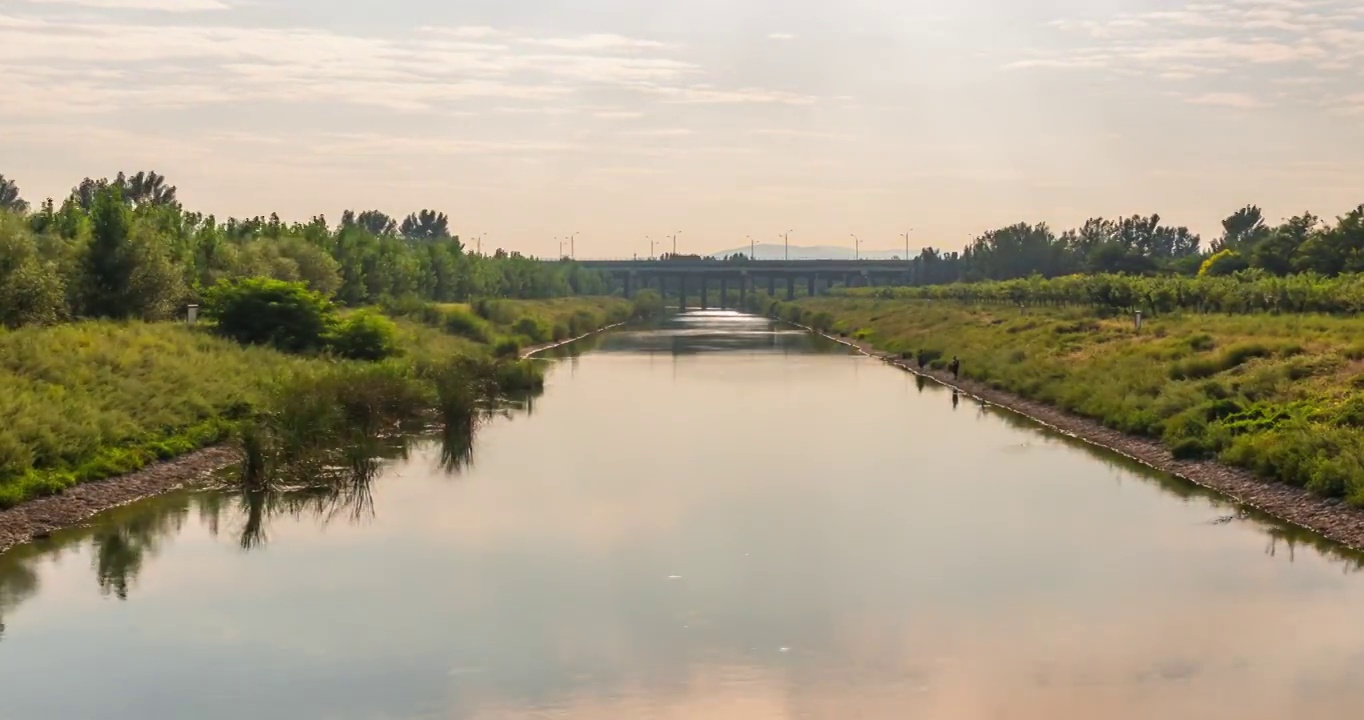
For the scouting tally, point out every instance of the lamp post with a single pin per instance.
(561, 248)
(572, 246)
(651, 246)
(906, 237)
(786, 242)
(752, 249)
(478, 239)
(857, 247)
(679, 232)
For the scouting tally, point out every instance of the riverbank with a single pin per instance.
(102, 414)
(1264, 400)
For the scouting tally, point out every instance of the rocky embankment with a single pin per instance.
(1330, 518)
(39, 518)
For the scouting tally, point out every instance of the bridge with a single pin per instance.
(682, 277)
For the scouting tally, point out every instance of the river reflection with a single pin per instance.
(714, 518)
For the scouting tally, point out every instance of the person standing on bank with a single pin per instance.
(954, 366)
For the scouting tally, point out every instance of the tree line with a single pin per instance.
(1144, 245)
(125, 247)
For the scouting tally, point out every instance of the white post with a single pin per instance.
(191, 314)
(1136, 319)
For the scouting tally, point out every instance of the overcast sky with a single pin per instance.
(617, 119)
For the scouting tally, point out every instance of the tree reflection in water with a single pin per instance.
(123, 540)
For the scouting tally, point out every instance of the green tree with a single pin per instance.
(1225, 262)
(9, 196)
(31, 290)
(426, 225)
(146, 188)
(263, 311)
(375, 221)
(108, 265)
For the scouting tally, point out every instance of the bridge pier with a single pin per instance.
(681, 291)
(810, 285)
(724, 292)
(790, 287)
(629, 285)
(743, 291)
(772, 285)
(705, 285)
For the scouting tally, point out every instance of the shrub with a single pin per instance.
(533, 329)
(465, 324)
(262, 311)
(1226, 262)
(507, 347)
(365, 335)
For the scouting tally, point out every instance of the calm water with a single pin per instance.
(711, 520)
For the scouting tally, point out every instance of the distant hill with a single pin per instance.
(771, 251)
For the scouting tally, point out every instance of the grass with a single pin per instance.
(1281, 395)
(91, 400)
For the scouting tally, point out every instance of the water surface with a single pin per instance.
(712, 519)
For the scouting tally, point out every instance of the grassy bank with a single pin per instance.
(91, 400)
(1278, 394)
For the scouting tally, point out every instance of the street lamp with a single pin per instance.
(651, 246)
(857, 247)
(561, 248)
(906, 237)
(786, 240)
(752, 249)
(572, 246)
(679, 232)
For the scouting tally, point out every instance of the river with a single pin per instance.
(716, 518)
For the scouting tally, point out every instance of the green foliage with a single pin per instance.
(31, 290)
(533, 329)
(88, 400)
(646, 304)
(260, 311)
(1223, 263)
(464, 323)
(506, 347)
(1277, 394)
(364, 335)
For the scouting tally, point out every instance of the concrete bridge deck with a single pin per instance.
(683, 277)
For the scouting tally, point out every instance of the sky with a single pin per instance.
(618, 120)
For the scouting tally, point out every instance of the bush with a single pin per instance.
(532, 329)
(507, 347)
(365, 335)
(262, 311)
(1226, 262)
(465, 324)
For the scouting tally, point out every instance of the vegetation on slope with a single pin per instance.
(94, 399)
(1281, 395)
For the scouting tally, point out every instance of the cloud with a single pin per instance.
(781, 36)
(664, 132)
(176, 6)
(101, 65)
(1246, 39)
(1226, 99)
(604, 42)
(617, 115)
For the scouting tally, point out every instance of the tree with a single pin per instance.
(1222, 263)
(146, 188)
(31, 290)
(426, 225)
(107, 266)
(1242, 229)
(263, 311)
(9, 196)
(375, 221)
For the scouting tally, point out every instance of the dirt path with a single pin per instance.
(1330, 518)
